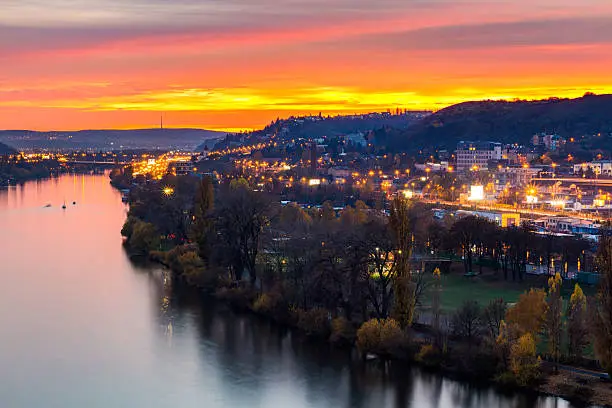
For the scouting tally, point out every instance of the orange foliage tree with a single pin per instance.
(524, 364)
(527, 315)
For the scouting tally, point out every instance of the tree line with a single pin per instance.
(364, 276)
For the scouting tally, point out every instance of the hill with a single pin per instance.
(4, 149)
(309, 127)
(164, 139)
(505, 121)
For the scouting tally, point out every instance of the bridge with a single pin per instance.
(95, 162)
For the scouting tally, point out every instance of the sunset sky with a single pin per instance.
(230, 64)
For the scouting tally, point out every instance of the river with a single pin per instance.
(82, 326)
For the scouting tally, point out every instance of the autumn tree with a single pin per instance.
(602, 310)
(554, 317)
(527, 315)
(524, 363)
(144, 238)
(191, 267)
(380, 336)
(404, 301)
(361, 212)
(294, 219)
(400, 223)
(577, 331)
(327, 212)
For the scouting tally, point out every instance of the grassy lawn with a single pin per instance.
(456, 289)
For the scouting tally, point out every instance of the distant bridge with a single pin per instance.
(108, 163)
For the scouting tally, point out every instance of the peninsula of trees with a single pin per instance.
(387, 282)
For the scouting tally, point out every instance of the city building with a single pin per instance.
(357, 139)
(598, 167)
(433, 167)
(183, 168)
(571, 225)
(515, 154)
(515, 176)
(339, 172)
(503, 219)
(548, 141)
(477, 155)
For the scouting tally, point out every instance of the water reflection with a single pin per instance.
(250, 355)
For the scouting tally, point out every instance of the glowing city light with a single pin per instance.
(476, 193)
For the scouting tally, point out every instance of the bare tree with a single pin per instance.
(493, 315)
(467, 321)
(379, 245)
(242, 216)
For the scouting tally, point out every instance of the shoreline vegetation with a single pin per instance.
(16, 170)
(381, 284)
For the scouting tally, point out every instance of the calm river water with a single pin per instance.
(82, 327)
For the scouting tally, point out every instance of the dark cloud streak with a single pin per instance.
(571, 31)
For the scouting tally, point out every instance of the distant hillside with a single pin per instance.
(4, 149)
(309, 127)
(183, 139)
(507, 122)
(209, 143)
(341, 125)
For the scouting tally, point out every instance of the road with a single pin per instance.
(532, 213)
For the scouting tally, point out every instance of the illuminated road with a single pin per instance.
(532, 213)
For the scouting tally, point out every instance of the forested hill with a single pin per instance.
(4, 149)
(506, 122)
(315, 126)
(309, 127)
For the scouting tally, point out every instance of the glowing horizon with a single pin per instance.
(238, 64)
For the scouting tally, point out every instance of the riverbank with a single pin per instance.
(17, 177)
(460, 361)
